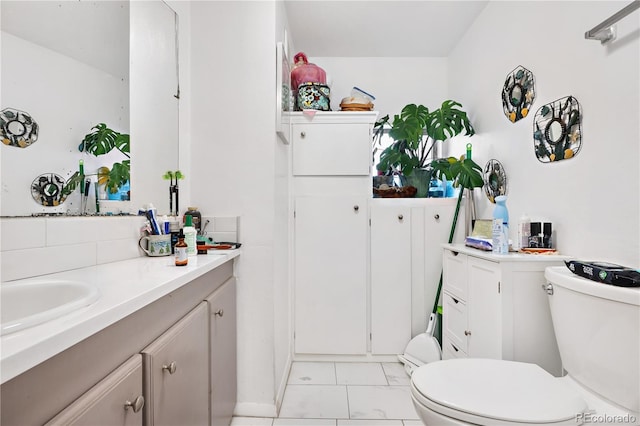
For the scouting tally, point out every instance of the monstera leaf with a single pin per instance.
(102, 140)
(448, 121)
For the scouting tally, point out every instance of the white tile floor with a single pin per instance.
(343, 394)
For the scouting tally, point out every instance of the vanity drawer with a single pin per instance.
(454, 320)
(455, 280)
(339, 149)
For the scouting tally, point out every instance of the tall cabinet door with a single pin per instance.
(484, 308)
(222, 328)
(390, 278)
(176, 373)
(331, 275)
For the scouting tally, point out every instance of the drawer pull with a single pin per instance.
(455, 253)
(356, 208)
(467, 333)
(219, 313)
(400, 217)
(454, 348)
(171, 368)
(136, 405)
(436, 216)
(455, 300)
(303, 135)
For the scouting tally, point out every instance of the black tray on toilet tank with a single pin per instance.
(606, 273)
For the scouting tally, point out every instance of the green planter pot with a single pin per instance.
(420, 178)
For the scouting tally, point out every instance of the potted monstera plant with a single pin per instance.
(102, 140)
(415, 132)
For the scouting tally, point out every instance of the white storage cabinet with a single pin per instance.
(494, 306)
(331, 187)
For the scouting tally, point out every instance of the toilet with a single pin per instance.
(597, 330)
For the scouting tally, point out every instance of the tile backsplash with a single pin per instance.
(33, 246)
(44, 245)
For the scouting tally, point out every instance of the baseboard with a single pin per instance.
(283, 383)
(252, 409)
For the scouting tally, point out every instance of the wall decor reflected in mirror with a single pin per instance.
(557, 130)
(283, 92)
(70, 69)
(17, 128)
(518, 93)
(495, 180)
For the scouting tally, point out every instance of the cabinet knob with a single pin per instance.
(455, 300)
(171, 368)
(219, 313)
(136, 405)
(436, 216)
(454, 348)
(303, 135)
(467, 333)
(400, 217)
(356, 208)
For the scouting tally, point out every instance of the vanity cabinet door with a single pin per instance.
(176, 373)
(222, 337)
(116, 401)
(331, 251)
(390, 278)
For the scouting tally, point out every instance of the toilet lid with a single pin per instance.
(497, 389)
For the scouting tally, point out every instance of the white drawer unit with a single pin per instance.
(494, 307)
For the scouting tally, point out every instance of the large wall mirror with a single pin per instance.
(70, 65)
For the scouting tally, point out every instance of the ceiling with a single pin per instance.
(372, 28)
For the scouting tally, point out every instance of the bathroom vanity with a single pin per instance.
(158, 347)
(495, 306)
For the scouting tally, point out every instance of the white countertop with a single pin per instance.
(510, 257)
(125, 287)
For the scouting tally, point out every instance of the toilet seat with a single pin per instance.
(492, 392)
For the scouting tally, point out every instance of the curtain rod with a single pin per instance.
(605, 31)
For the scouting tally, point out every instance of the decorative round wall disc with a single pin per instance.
(518, 93)
(17, 128)
(495, 180)
(47, 188)
(557, 130)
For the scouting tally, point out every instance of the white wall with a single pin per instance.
(66, 98)
(234, 153)
(395, 82)
(593, 198)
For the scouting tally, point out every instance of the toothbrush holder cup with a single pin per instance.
(156, 245)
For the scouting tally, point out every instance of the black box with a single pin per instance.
(607, 273)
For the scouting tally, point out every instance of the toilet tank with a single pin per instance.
(597, 329)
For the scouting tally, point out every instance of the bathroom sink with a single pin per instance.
(24, 305)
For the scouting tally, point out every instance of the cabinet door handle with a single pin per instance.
(467, 333)
(303, 135)
(436, 216)
(356, 208)
(219, 313)
(400, 217)
(171, 368)
(136, 405)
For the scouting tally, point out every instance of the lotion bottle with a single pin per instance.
(190, 236)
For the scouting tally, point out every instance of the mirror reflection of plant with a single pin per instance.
(102, 140)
